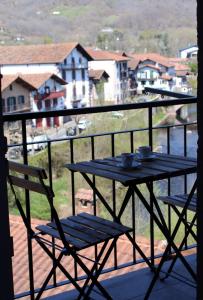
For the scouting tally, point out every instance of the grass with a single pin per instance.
(72, 12)
(82, 151)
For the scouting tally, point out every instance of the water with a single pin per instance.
(177, 147)
(177, 141)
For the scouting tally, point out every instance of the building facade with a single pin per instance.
(67, 60)
(116, 66)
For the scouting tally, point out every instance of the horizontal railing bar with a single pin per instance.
(97, 109)
(167, 93)
(105, 271)
(103, 134)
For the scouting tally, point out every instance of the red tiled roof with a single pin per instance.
(178, 60)
(84, 194)
(163, 60)
(181, 69)
(9, 79)
(42, 264)
(98, 74)
(37, 80)
(36, 54)
(149, 66)
(165, 77)
(133, 63)
(98, 54)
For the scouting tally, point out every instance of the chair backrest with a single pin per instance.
(19, 175)
(22, 175)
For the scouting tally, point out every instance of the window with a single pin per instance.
(3, 105)
(73, 62)
(65, 61)
(64, 74)
(73, 74)
(55, 102)
(21, 100)
(80, 60)
(83, 74)
(10, 87)
(74, 92)
(11, 103)
(83, 90)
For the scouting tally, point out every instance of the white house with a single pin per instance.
(16, 94)
(49, 94)
(116, 66)
(157, 71)
(189, 52)
(34, 92)
(67, 60)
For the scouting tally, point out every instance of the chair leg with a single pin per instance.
(94, 267)
(98, 272)
(49, 276)
(189, 230)
(58, 264)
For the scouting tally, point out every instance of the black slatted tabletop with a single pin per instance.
(161, 167)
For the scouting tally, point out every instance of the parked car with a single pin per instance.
(117, 114)
(39, 142)
(84, 124)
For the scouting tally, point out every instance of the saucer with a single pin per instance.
(135, 164)
(140, 157)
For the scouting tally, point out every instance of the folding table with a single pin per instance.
(162, 167)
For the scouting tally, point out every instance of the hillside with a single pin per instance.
(136, 25)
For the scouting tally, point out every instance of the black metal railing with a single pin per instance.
(149, 134)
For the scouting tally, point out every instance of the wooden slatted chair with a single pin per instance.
(75, 232)
(186, 202)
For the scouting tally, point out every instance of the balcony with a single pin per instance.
(51, 95)
(74, 66)
(176, 138)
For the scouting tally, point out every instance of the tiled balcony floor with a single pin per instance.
(133, 285)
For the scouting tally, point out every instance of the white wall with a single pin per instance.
(57, 69)
(81, 62)
(112, 87)
(184, 53)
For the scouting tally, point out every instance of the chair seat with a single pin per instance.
(84, 230)
(179, 200)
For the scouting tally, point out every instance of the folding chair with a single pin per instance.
(75, 232)
(185, 202)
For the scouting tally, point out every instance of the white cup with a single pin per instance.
(145, 151)
(127, 159)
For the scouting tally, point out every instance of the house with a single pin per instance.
(155, 70)
(98, 78)
(116, 66)
(49, 94)
(67, 60)
(16, 94)
(189, 52)
(180, 80)
(151, 70)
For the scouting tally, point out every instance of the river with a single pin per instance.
(177, 147)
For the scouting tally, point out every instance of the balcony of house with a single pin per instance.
(50, 94)
(129, 268)
(147, 76)
(76, 66)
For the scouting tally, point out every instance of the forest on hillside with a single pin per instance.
(124, 25)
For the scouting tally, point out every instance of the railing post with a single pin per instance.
(6, 248)
(199, 153)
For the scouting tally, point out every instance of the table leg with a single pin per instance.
(159, 220)
(129, 193)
